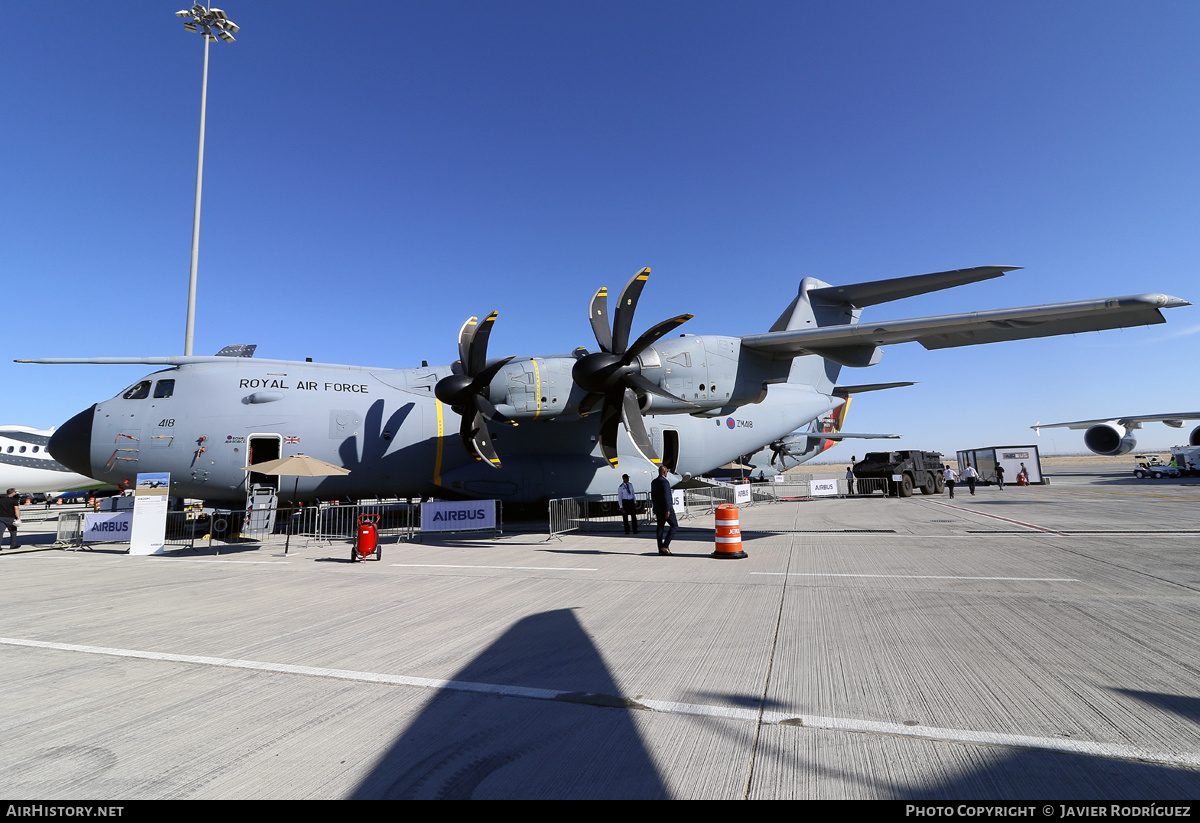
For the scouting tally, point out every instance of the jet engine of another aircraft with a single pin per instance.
(1111, 438)
(1194, 437)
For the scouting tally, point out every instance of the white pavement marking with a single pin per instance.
(203, 560)
(923, 577)
(1089, 748)
(996, 517)
(521, 568)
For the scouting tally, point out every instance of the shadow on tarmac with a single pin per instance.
(470, 745)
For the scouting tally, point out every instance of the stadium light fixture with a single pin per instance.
(211, 23)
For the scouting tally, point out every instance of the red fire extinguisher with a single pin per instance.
(367, 542)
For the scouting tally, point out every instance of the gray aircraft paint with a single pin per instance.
(733, 396)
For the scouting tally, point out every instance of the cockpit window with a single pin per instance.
(164, 388)
(139, 392)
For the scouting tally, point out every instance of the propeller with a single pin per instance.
(466, 390)
(779, 450)
(612, 376)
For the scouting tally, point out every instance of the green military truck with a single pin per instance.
(917, 470)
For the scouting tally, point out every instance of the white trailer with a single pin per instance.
(1012, 458)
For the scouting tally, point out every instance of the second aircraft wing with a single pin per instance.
(852, 342)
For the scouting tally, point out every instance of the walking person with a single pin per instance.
(849, 482)
(999, 475)
(950, 475)
(10, 518)
(664, 509)
(971, 476)
(628, 504)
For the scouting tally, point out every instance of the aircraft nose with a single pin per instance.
(71, 444)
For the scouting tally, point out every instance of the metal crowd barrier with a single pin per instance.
(69, 530)
(327, 522)
(569, 514)
(590, 511)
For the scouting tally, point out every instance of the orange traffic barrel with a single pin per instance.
(729, 533)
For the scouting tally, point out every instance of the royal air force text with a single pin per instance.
(303, 385)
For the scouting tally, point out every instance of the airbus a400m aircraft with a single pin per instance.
(533, 427)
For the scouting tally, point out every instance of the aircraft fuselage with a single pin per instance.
(205, 422)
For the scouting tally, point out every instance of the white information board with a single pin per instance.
(150, 498)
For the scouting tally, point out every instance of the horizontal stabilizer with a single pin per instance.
(852, 436)
(973, 328)
(875, 292)
(846, 391)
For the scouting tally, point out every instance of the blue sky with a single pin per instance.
(375, 174)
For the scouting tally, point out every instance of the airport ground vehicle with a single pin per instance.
(1153, 466)
(917, 469)
(1187, 458)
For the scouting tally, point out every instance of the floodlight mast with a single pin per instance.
(210, 23)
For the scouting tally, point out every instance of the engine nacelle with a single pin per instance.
(1194, 437)
(1110, 438)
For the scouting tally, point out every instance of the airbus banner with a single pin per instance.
(819, 488)
(458, 515)
(107, 527)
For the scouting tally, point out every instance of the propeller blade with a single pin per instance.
(642, 384)
(610, 418)
(481, 441)
(598, 315)
(652, 335)
(589, 402)
(466, 433)
(483, 378)
(465, 335)
(626, 305)
(489, 411)
(479, 345)
(632, 417)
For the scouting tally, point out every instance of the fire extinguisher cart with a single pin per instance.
(366, 544)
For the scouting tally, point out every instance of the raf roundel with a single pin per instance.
(729, 422)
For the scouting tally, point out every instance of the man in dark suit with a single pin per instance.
(664, 509)
(10, 517)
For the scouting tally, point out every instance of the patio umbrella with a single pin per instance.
(297, 465)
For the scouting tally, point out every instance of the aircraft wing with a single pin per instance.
(1173, 420)
(968, 328)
